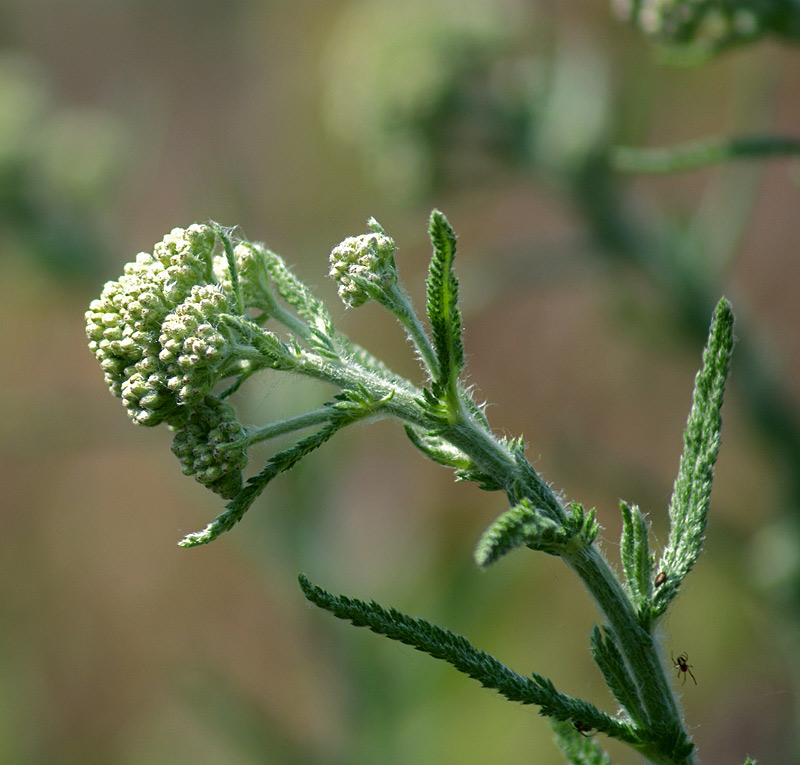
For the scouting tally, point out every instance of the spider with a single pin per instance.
(683, 666)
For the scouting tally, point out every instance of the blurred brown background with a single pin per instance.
(584, 321)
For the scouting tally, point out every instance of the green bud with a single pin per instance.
(363, 266)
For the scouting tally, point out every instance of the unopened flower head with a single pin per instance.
(363, 266)
(193, 350)
(212, 446)
(159, 331)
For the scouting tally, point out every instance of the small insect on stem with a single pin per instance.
(660, 579)
(683, 666)
(582, 728)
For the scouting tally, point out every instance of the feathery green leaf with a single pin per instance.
(240, 504)
(348, 407)
(561, 706)
(521, 525)
(297, 295)
(477, 664)
(688, 507)
(442, 306)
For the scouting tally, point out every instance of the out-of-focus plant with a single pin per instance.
(706, 27)
(405, 81)
(187, 318)
(56, 165)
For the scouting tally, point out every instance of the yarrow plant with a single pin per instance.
(186, 326)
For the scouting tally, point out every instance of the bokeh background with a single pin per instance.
(586, 298)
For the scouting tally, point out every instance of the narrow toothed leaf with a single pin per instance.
(348, 407)
(636, 559)
(240, 504)
(608, 657)
(442, 306)
(461, 654)
(688, 507)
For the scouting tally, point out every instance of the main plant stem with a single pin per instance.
(665, 726)
(666, 734)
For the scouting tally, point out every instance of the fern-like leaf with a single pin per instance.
(442, 306)
(297, 295)
(688, 507)
(458, 651)
(636, 559)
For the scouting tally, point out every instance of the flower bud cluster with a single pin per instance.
(708, 24)
(160, 332)
(212, 446)
(124, 324)
(193, 350)
(171, 328)
(363, 267)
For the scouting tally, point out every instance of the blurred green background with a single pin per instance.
(586, 298)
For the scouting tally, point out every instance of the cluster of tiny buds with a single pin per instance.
(124, 324)
(192, 348)
(363, 266)
(170, 329)
(158, 331)
(211, 445)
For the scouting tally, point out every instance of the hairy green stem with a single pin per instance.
(397, 302)
(640, 652)
(289, 425)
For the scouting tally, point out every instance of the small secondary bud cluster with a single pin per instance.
(212, 446)
(707, 24)
(363, 267)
